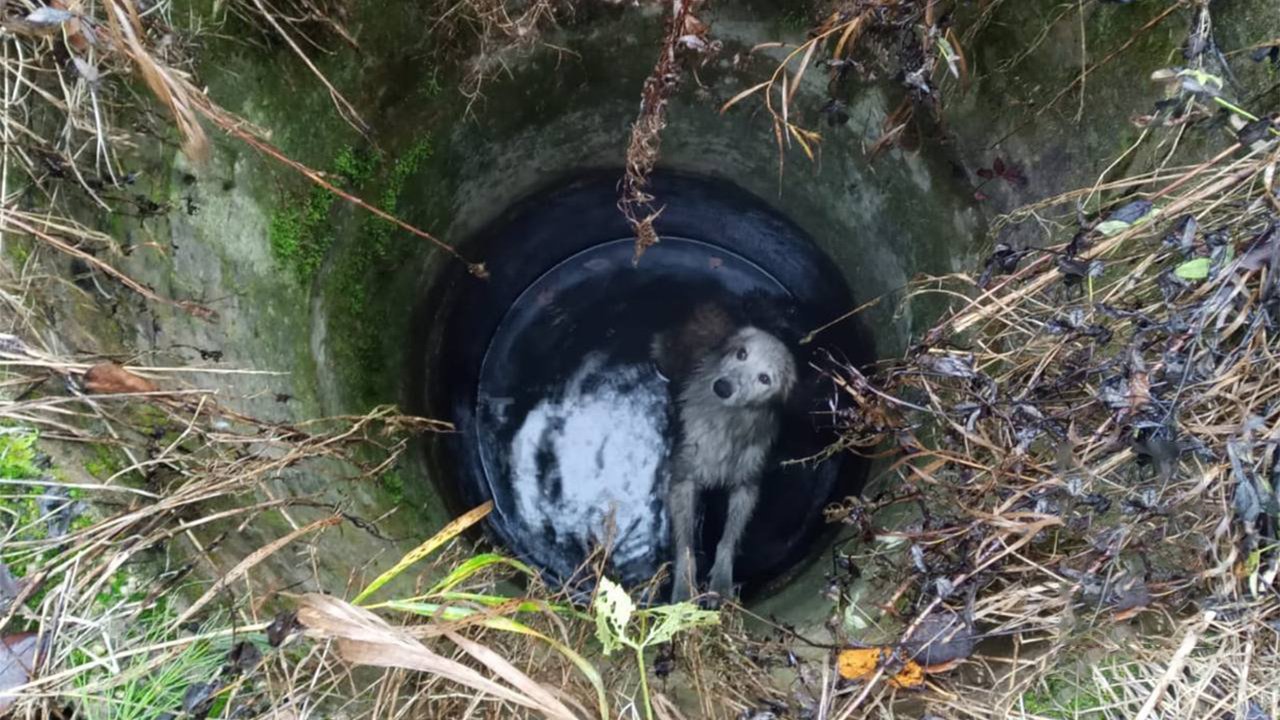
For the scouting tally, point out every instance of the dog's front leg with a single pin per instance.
(682, 506)
(742, 501)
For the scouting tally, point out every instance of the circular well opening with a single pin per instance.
(562, 418)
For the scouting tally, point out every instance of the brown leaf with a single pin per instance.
(109, 378)
(1139, 391)
(505, 670)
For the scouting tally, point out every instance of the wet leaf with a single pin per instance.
(1073, 269)
(1256, 131)
(1133, 212)
(1263, 53)
(59, 509)
(17, 661)
(198, 700)
(1197, 269)
(836, 113)
(1247, 501)
(1253, 711)
(1183, 234)
(949, 365)
(13, 345)
(243, 658)
(940, 638)
(1129, 597)
(109, 378)
(280, 628)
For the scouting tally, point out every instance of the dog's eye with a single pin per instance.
(764, 379)
(742, 353)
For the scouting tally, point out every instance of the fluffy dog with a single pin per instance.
(729, 383)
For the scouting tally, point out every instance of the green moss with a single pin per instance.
(393, 484)
(358, 320)
(17, 455)
(20, 516)
(300, 231)
(109, 461)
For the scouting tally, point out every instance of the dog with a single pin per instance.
(730, 383)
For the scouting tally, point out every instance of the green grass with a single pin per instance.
(1066, 698)
(149, 686)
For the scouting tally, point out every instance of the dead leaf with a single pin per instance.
(281, 628)
(858, 663)
(940, 638)
(861, 663)
(109, 378)
(17, 660)
(910, 676)
(505, 670)
(1139, 391)
(366, 639)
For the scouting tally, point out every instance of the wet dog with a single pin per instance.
(730, 383)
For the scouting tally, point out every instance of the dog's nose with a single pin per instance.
(723, 388)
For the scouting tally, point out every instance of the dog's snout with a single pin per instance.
(723, 388)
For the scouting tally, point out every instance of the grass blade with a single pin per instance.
(449, 532)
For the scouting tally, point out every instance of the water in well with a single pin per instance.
(566, 423)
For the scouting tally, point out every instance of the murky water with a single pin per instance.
(574, 420)
(564, 422)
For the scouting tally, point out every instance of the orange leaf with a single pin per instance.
(911, 675)
(109, 378)
(858, 663)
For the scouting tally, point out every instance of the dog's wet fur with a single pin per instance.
(730, 381)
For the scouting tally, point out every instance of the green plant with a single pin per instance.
(443, 601)
(619, 623)
(17, 454)
(147, 685)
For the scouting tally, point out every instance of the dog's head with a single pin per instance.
(752, 368)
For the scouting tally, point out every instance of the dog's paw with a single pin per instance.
(721, 587)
